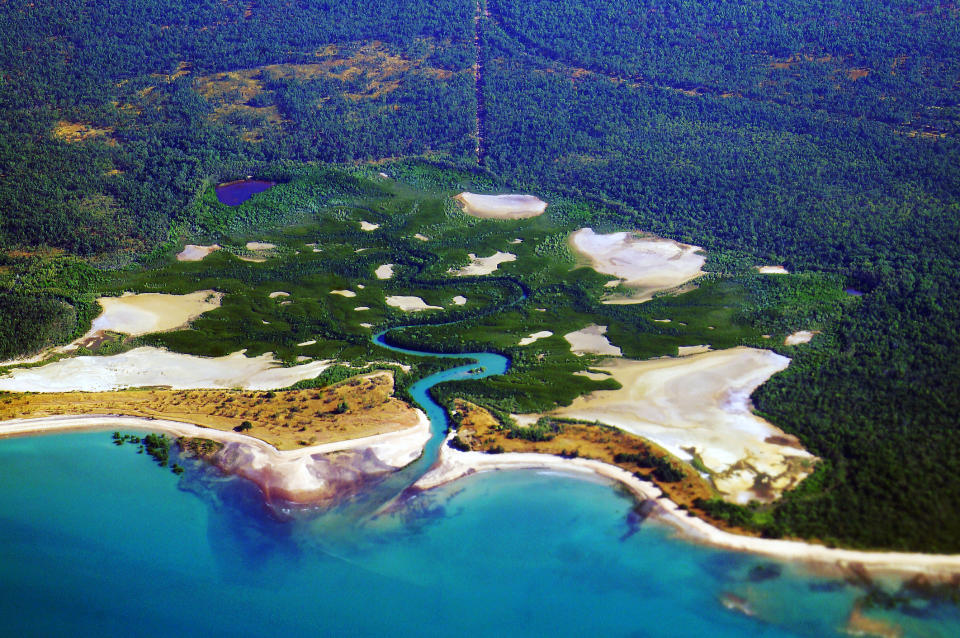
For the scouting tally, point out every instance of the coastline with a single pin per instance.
(302, 476)
(453, 464)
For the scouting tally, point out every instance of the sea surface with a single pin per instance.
(97, 540)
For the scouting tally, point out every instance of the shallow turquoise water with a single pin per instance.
(96, 540)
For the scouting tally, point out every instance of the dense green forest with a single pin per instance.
(818, 134)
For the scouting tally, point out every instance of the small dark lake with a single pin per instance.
(235, 193)
(853, 291)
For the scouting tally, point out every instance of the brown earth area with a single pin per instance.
(481, 431)
(285, 419)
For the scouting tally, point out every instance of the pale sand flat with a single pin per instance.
(591, 340)
(648, 265)
(193, 252)
(140, 314)
(260, 245)
(148, 366)
(772, 270)
(361, 309)
(534, 337)
(421, 237)
(801, 336)
(501, 206)
(343, 293)
(279, 293)
(686, 351)
(410, 304)
(255, 260)
(368, 227)
(384, 272)
(459, 300)
(483, 265)
(307, 343)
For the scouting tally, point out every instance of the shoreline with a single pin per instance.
(453, 464)
(303, 476)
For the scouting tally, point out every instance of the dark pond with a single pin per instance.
(235, 193)
(853, 291)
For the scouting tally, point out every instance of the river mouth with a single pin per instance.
(237, 192)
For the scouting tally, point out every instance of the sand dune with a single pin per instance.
(148, 366)
(701, 404)
(484, 265)
(501, 206)
(646, 264)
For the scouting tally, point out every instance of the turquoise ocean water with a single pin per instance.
(97, 540)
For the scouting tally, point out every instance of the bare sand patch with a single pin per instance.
(260, 245)
(421, 237)
(459, 300)
(148, 366)
(772, 270)
(410, 304)
(534, 337)
(140, 314)
(361, 309)
(484, 265)
(593, 376)
(343, 293)
(366, 325)
(253, 260)
(278, 293)
(686, 351)
(801, 336)
(304, 344)
(501, 206)
(194, 252)
(700, 405)
(644, 263)
(368, 227)
(384, 272)
(591, 340)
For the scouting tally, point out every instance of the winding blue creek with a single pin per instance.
(96, 540)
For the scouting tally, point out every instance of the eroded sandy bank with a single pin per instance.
(453, 464)
(307, 475)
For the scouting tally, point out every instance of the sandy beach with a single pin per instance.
(453, 464)
(304, 475)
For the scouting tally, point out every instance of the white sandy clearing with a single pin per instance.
(304, 344)
(535, 336)
(260, 245)
(421, 237)
(293, 474)
(646, 264)
(368, 227)
(384, 272)
(702, 403)
(343, 293)
(685, 351)
(459, 300)
(193, 252)
(661, 320)
(278, 293)
(361, 309)
(801, 336)
(140, 314)
(366, 325)
(772, 270)
(501, 206)
(516, 241)
(255, 260)
(453, 464)
(410, 304)
(591, 340)
(484, 265)
(148, 366)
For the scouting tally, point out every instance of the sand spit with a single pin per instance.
(591, 340)
(343, 293)
(453, 464)
(193, 252)
(772, 270)
(384, 272)
(459, 300)
(501, 206)
(534, 337)
(260, 245)
(368, 227)
(483, 265)
(646, 264)
(307, 475)
(700, 405)
(140, 314)
(801, 336)
(148, 366)
(410, 304)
